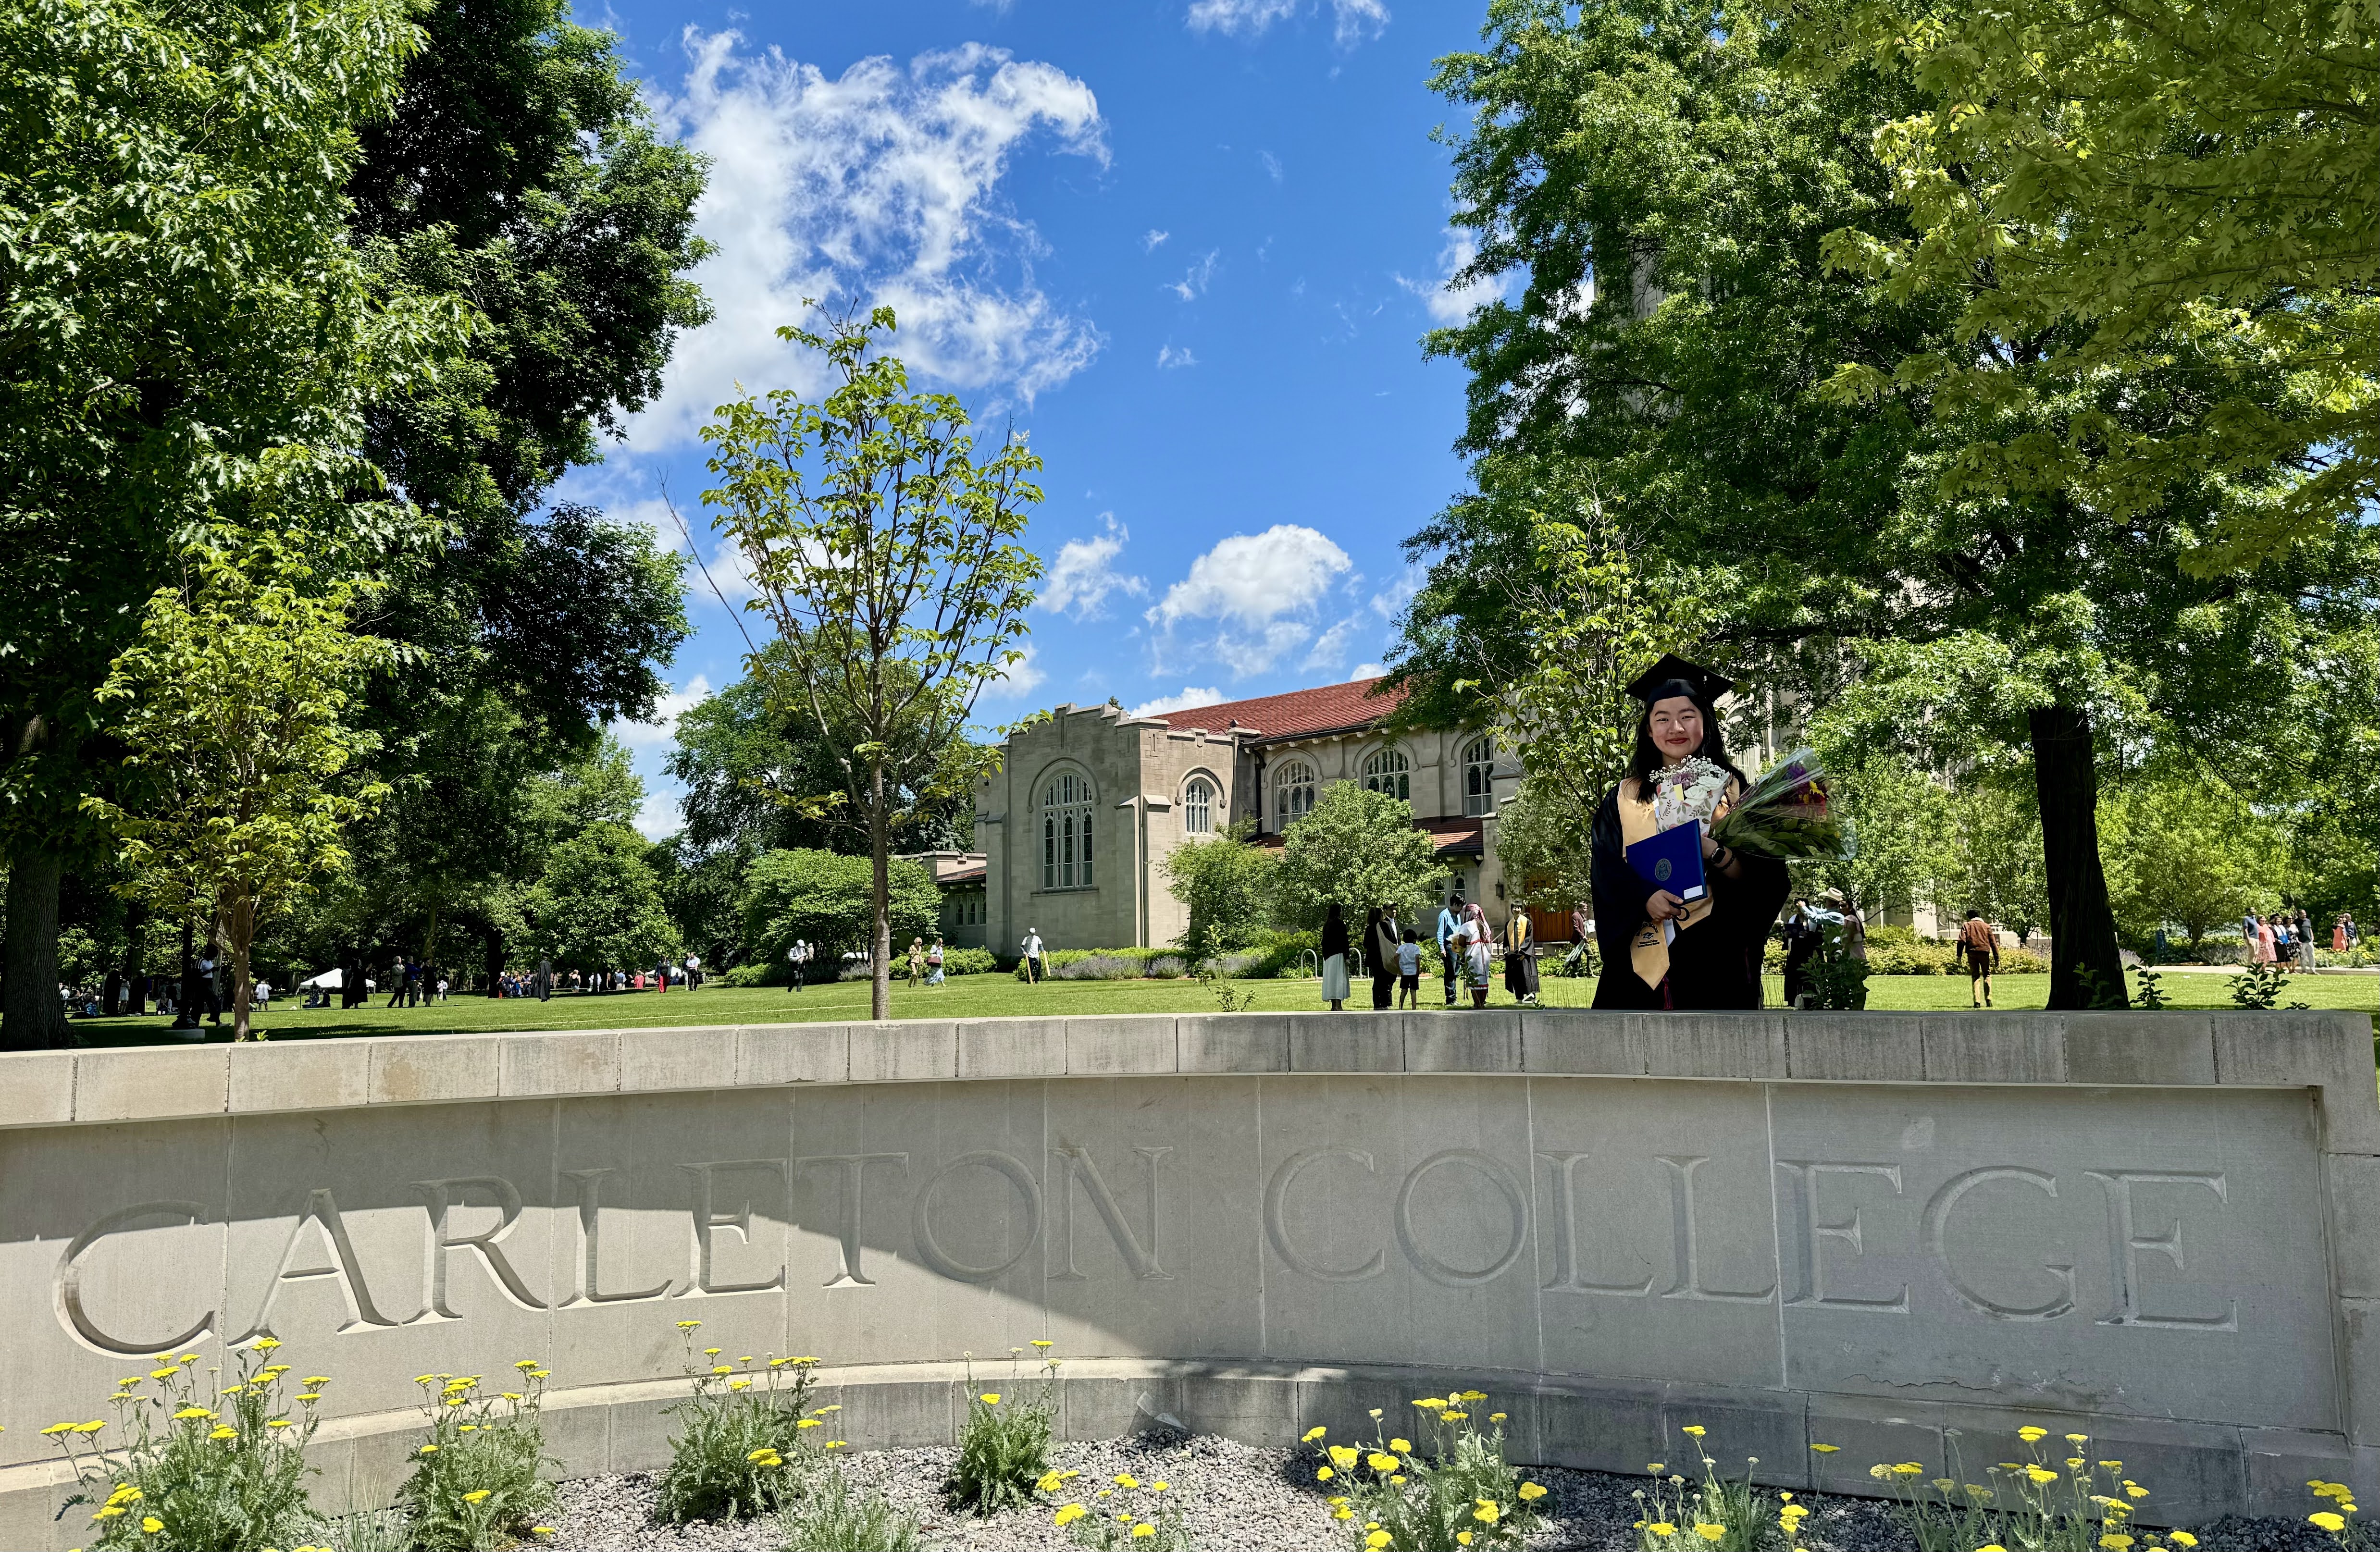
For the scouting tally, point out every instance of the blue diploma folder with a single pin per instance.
(1672, 860)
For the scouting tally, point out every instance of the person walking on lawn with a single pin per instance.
(1980, 947)
(1032, 956)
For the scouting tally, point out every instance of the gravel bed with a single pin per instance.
(1238, 1496)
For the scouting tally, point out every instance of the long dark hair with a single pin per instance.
(1647, 757)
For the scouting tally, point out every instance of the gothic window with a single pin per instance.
(1479, 776)
(1389, 771)
(1295, 786)
(1199, 808)
(1067, 832)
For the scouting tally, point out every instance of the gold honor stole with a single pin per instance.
(1649, 954)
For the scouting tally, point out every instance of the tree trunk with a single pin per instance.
(879, 974)
(136, 927)
(492, 949)
(186, 991)
(2086, 968)
(30, 1016)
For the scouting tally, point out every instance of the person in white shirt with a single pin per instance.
(1032, 954)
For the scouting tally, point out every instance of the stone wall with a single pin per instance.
(1859, 1230)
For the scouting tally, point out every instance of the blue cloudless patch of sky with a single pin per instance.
(1189, 247)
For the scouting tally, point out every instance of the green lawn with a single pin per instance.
(1001, 996)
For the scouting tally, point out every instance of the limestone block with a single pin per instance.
(2279, 1464)
(1012, 1048)
(1470, 1040)
(655, 1060)
(1994, 1047)
(791, 1053)
(2149, 1251)
(1765, 1426)
(1260, 1409)
(638, 1431)
(36, 1089)
(1862, 1433)
(1615, 1428)
(1349, 1042)
(1231, 1043)
(1108, 1406)
(1150, 1197)
(1656, 1231)
(1567, 1041)
(1716, 1045)
(31, 1498)
(2354, 1191)
(427, 1069)
(540, 1064)
(380, 1452)
(581, 1437)
(2359, 1329)
(2190, 1469)
(1126, 1043)
(1855, 1048)
(888, 1414)
(2332, 1052)
(300, 1075)
(151, 1083)
(903, 1051)
(2171, 1049)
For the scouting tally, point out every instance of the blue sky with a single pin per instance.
(1190, 246)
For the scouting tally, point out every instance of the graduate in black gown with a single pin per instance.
(1713, 959)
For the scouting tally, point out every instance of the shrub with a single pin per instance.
(200, 1472)
(737, 1456)
(477, 1481)
(835, 1517)
(1005, 1443)
(1897, 950)
(969, 962)
(1099, 966)
(1717, 1512)
(2022, 962)
(1127, 1513)
(1458, 1490)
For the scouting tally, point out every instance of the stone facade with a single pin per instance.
(1862, 1231)
(1077, 823)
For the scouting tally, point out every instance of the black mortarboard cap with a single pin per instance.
(1673, 675)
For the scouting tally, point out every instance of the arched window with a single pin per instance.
(1479, 776)
(1199, 808)
(1067, 832)
(1389, 771)
(1296, 785)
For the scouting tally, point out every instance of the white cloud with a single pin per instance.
(1365, 671)
(1168, 358)
(880, 184)
(1195, 281)
(1271, 164)
(662, 728)
(1449, 303)
(1149, 243)
(1085, 574)
(660, 816)
(1390, 601)
(1020, 678)
(1352, 20)
(1191, 696)
(1330, 648)
(1254, 595)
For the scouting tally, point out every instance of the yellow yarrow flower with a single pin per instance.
(1710, 1532)
(1315, 1432)
(1123, 1480)
(1694, 1430)
(1379, 1462)
(2334, 1524)
(989, 1398)
(477, 1497)
(2183, 1538)
(1143, 1529)
(1531, 1492)
(1069, 1513)
(152, 1524)
(1402, 1447)
(2032, 1434)
(1376, 1540)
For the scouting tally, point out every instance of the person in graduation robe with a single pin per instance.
(1712, 958)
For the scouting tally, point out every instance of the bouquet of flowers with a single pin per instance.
(1788, 813)
(1689, 790)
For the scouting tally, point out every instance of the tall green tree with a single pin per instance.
(884, 556)
(236, 743)
(1354, 849)
(2187, 852)
(1991, 855)
(183, 306)
(829, 901)
(1225, 884)
(599, 906)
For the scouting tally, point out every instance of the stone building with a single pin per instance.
(1087, 803)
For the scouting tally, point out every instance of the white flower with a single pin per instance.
(1690, 790)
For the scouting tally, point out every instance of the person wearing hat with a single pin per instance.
(1659, 950)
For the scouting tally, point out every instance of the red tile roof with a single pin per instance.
(1325, 709)
(1450, 837)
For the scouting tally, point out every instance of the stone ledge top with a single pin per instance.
(2331, 1051)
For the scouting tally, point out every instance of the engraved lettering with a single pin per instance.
(69, 1279)
(1686, 1277)
(322, 1215)
(1515, 1206)
(851, 1170)
(1078, 1165)
(2125, 1241)
(590, 1290)
(1565, 1216)
(1938, 1219)
(1277, 1221)
(921, 1229)
(438, 1195)
(707, 1220)
(1806, 1176)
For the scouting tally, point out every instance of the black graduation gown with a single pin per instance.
(1716, 963)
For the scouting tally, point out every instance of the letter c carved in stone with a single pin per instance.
(70, 1280)
(1277, 1218)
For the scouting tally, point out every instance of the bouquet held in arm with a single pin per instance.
(1788, 813)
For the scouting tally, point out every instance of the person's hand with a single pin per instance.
(1661, 906)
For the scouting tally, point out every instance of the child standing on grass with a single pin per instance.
(1409, 970)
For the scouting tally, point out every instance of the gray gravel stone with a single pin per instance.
(1237, 1497)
